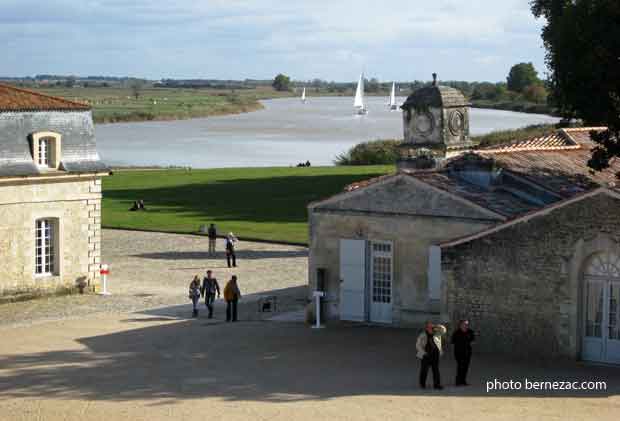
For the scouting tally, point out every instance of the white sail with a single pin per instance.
(303, 95)
(393, 96)
(359, 94)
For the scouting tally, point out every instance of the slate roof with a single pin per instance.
(17, 99)
(23, 113)
(555, 165)
(499, 201)
(435, 96)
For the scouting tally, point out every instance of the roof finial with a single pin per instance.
(434, 79)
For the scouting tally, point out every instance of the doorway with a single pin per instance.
(601, 330)
(366, 280)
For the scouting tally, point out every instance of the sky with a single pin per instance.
(474, 40)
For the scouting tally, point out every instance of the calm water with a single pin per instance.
(284, 133)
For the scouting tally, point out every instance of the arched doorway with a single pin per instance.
(601, 330)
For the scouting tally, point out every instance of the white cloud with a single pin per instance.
(257, 38)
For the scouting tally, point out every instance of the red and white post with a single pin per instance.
(104, 271)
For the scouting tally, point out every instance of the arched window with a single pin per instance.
(605, 265)
(601, 340)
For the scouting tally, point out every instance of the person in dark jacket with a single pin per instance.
(212, 233)
(209, 288)
(462, 339)
(230, 249)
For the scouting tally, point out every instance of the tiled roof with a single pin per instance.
(557, 140)
(561, 169)
(365, 183)
(557, 163)
(17, 99)
(564, 139)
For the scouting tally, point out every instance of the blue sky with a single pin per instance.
(238, 39)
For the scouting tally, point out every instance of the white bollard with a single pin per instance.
(104, 271)
(317, 295)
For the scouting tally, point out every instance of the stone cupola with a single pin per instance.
(436, 126)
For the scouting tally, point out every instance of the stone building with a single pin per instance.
(489, 234)
(50, 193)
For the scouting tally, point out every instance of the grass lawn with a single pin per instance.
(118, 104)
(261, 203)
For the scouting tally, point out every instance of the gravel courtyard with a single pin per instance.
(137, 355)
(153, 270)
(146, 367)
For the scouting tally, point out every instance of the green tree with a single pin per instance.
(536, 93)
(281, 82)
(489, 91)
(521, 76)
(582, 39)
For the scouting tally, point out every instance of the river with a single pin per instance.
(284, 133)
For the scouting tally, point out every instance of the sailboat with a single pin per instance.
(358, 103)
(392, 103)
(303, 95)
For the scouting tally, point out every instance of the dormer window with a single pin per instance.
(46, 150)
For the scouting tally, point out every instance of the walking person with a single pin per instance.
(210, 287)
(429, 350)
(230, 249)
(194, 294)
(462, 338)
(212, 233)
(232, 296)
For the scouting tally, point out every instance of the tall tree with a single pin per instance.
(281, 82)
(582, 39)
(521, 76)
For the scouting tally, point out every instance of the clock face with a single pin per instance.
(424, 123)
(456, 123)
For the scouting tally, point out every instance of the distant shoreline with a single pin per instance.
(517, 107)
(256, 105)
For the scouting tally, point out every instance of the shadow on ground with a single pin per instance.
(267, 199)
(177, 359)
(241, 255)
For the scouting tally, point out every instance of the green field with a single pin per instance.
(112, 105)
(260, 203)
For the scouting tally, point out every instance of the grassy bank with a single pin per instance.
(517, 106)
(262, 203)
(111, 105)
(386, 151)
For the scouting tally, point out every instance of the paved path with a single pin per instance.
(153, 270)
(142, 367)
(138, 356)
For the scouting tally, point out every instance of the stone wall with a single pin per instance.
(521, 287)
(411, 237)
(76, 205)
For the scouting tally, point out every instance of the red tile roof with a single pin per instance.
(17, 99)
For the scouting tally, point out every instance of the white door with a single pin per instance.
(353, 280)
(601, 340)
(613, 324)
(381, 274)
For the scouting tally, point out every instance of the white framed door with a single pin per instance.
(353, 280)
(381, 277)
(613, 323)
(601, 334)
